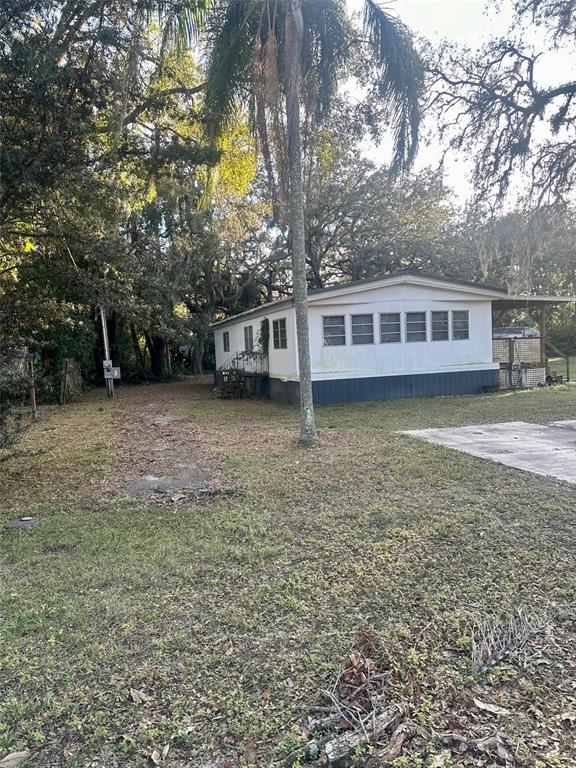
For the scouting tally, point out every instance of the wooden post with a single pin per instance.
(33, 391)
(543, 336)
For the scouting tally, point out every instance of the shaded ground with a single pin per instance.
(162, 457)
(210, 626)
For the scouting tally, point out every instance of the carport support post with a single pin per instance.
(543, 336)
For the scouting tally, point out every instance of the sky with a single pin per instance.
(464, 21)
(469, 23)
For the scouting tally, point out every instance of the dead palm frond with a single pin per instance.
(401, 78)
(245, 53)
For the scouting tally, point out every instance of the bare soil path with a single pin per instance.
(161, 456)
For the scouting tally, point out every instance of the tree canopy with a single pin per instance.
(140, 174)
(495, 104)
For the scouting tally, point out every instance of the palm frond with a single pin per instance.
(401, 78)
(326, 37)
(180, 20)
(232, 39)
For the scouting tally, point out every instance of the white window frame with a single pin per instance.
(467, 337)
(399, 340)
(345, 325)
(248, 336)
(438, 312)
(276, 323)
(406, 321)
(361, 343)
(226, 340)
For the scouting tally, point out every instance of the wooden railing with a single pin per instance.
(254, 363)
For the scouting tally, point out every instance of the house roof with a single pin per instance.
(406, 273)
(530, 301)
(414, 276)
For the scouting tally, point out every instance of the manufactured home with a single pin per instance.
(409, 334)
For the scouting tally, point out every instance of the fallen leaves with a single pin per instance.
(492, 708)
(495, 747)
(138, 697)
(158, 756)
(441, 760)
(14, 759)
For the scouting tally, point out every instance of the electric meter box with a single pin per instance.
(110, 371)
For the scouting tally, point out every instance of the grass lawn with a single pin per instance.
(230, 615)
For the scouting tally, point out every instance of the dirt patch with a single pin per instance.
(162, 458)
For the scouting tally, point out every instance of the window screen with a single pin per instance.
(440, 326)
(362, 329)
(334, 330)
(279, 333)
(248, 338)
(226, 339)
(460, 324)
(390, 328)
(416, 326)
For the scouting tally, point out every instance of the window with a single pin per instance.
(440, 330)
(248, 338)
(390, 328)
(416, 326)
(334, 331)
(362, 329)
(226, 340)
(460, 324)
(279, 333)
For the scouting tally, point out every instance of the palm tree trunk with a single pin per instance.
(294, 33)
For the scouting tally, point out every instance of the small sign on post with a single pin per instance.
(110, 371)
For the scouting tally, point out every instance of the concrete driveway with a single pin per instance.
(544, 449)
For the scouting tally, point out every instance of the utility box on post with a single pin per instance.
(110, 371)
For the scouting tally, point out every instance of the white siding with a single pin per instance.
(379, 359)
(283, 363)
(376, 359)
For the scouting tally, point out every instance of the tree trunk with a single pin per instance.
(294, 33)
(137, 350)
(157, 348)
(98, 352)
(197, 355)
(112, 325)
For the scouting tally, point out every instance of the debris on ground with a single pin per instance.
(15, 759)
(22, 522)
(493, 641)
(374, 712)
(357, 714)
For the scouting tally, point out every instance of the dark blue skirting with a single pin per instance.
(388, 387)
(284, 391)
